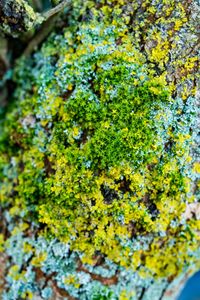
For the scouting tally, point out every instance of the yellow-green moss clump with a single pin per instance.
(97, 144)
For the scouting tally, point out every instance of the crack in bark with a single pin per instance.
(104, 280)
(49, 279)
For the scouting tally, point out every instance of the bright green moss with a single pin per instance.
(98, 150)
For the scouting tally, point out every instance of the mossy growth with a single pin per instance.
(97, 149)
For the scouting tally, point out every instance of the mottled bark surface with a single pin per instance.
(17, 17)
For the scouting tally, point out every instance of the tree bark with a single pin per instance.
(17, 17)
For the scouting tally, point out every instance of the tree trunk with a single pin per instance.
(99, 156)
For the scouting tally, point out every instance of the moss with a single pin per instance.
(98, 148)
